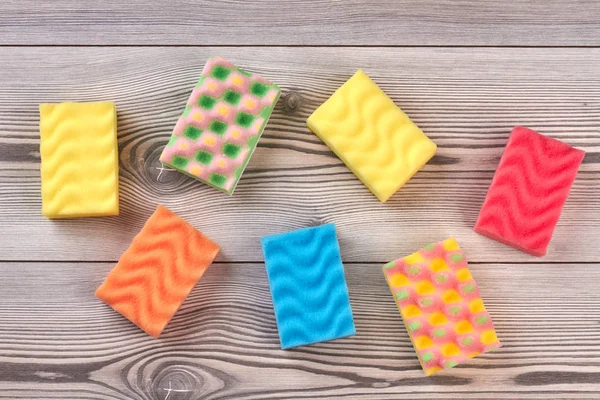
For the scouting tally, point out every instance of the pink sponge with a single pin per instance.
(528, 191)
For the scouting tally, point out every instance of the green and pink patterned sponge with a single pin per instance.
(221, 124)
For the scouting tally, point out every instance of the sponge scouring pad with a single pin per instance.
(221, 124)
(528, 191)
(158, 271)
(80, 160)
(372, 136)
(441, 307)
(308, 286)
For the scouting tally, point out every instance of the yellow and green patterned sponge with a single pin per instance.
(441, 307)
(221, 124)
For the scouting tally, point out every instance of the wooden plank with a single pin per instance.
(59, 341)
(466, 100)
(269, 22)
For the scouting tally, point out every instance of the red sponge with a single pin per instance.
(528, 191)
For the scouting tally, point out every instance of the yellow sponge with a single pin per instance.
(80, 164)
(372, 136)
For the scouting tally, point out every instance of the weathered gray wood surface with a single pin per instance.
(297, 22)
(466, 100)
(58, 341)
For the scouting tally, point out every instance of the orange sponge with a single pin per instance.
(158, 271)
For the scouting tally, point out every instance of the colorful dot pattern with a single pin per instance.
(441, 307)
(221, 124)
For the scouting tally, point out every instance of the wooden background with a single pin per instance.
(465, 71)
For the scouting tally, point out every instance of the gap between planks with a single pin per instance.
(344, 262)
(318, 46)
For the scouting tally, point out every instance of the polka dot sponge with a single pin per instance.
(441, 307)
(221, 124)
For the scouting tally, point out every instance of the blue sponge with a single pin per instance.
(308, 286)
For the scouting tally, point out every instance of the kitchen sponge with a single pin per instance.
(221, 124)
(80, 160)
(528, 191)
(372, 136)
(441, 307)
(308, 286)
(158, 271)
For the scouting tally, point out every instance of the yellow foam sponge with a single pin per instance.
(372, 136)
(80, 163)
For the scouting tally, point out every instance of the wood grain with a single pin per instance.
(321, 22)
(466, 100)
(58, 341)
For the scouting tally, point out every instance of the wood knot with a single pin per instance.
(291, 103)
(176, 383)
(156, 174)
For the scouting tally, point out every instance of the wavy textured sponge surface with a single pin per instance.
(308, 286)
(441, 307)
(221, 124)
(158, 271)
(80, 165)
(372, 136)
(528, 191)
